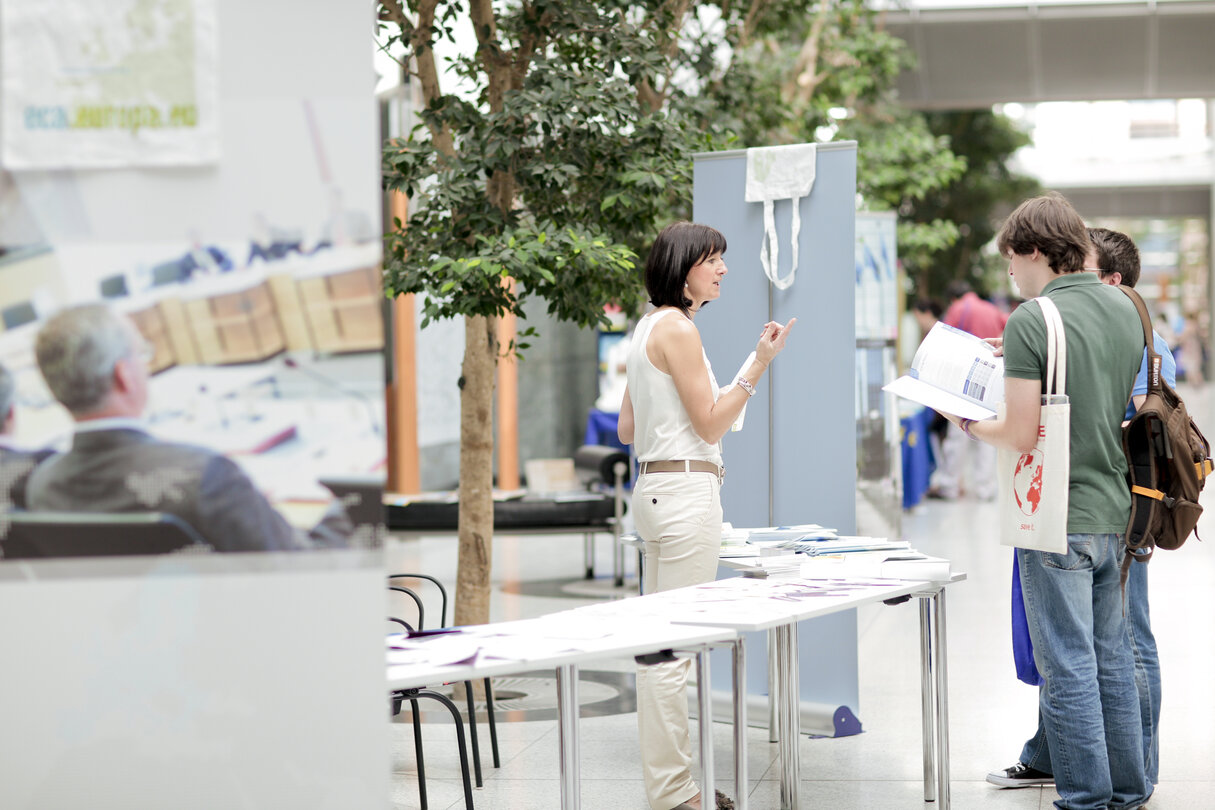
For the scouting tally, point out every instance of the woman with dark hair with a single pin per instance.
(675, 415)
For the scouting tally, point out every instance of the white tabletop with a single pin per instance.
(551, 641)
(747, 604)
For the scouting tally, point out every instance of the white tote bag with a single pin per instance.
(1033, 485)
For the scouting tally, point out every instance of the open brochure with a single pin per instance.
(954, 372)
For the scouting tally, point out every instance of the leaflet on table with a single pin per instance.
(433, 650)
(782, 534)
(846, 545)
(954, 372)
(877, 565)
(770, 564)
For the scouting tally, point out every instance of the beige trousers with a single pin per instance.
(678, 515)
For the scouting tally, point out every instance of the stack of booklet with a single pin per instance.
(844, 545)
(811, 551)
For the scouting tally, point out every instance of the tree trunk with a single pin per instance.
(476, 471)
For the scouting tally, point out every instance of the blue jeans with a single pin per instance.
(1089, 704)
(1036, 753)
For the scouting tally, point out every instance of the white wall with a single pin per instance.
(216, 681)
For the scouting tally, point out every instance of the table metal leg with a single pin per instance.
(739, 661)
(790, 715)
(619, 470)
(641, 572)
(773, 687)
(567, 735)
(704, 699)
(927, 709)
(588, 554)
(942, 701)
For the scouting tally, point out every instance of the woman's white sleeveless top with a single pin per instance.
(663, 431)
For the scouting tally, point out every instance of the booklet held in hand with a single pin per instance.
(954, 372)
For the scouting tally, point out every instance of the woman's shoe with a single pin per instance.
(724, 802)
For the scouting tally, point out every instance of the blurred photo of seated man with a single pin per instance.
(94, 361)
(16, 463)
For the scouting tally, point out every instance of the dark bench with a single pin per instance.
(604, 471)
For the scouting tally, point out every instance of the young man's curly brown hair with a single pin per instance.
(1049, 225)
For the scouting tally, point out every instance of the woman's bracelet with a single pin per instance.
(965, 425)
(746, 385)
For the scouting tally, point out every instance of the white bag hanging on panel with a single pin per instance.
(1033, 486)
(779, 173)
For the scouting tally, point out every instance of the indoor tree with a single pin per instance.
(550, 178)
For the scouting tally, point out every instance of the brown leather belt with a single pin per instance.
(686, 465)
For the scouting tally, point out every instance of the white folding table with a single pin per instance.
(748, 604)
(625, 638)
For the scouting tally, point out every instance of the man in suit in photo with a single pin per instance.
(95, 363)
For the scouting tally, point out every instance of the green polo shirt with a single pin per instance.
(1104, 350)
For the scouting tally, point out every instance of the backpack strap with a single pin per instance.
(1139, 546)
(1154, 494)
(1154, 361)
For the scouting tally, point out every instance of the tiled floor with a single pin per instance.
(991, 713)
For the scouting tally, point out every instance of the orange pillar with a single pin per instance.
(508, 403)
(401, 391)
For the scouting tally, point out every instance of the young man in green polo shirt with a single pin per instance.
(1073, 601)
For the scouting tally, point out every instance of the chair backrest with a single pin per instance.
(95, 534)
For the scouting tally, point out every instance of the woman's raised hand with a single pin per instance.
(772, 340)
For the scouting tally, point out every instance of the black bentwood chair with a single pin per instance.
(399, 696)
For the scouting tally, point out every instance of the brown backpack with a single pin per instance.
(1168, 459)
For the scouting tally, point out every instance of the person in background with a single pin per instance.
(16, 463)
(95, 363)
(961, 461)
(675, 415)
(927, 311)
(1073, 600)
(1191, 346)
(1115, 259)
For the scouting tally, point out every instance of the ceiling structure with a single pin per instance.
(974, 55)
(980, 55)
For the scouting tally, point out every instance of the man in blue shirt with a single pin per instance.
(1115, 259)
